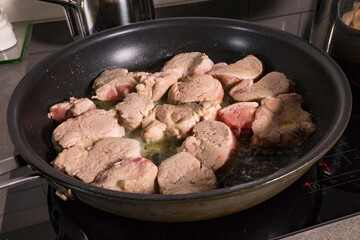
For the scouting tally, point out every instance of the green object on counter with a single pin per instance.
(15, 53)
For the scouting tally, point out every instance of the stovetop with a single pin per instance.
(329, 191)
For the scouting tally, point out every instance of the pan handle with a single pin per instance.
(12, 163)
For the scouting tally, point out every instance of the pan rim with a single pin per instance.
(316, 153)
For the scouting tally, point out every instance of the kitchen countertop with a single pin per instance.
(37, 49)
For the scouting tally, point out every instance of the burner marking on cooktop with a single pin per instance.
(342, 143)
(353, 180)
(341, 154)
(333, 181)
(339, 175)
(337, 162)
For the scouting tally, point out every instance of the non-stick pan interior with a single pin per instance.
(146, 46)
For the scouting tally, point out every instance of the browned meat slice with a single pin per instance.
(133, 109)
(248, 68)
(135, 175)
(239, 117)
(272, 84)
(356, 20)
(281, 122)
(115, 84)
(348, 17)
(176, 120)
(68, 109)
(212, 143)
(86, 165)
(186, 64)
(155, 85)
(352, 18)
(183, 173)
(196, 88)
(86, 129)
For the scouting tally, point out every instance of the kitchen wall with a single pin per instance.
(294, 16)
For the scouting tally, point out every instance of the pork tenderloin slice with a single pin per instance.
(214, 131)
(182, 173)
(68, 109)
(239, 117)
(134, 175)
(133, 110)
(186, 64)
(207, 110)
(272, 84)
(212, 143)
(86, 165)
(154, 131)
(138, 75)
(70, 160)
(155, 85)
(200, 87)
(248, 68)
(114, 84)
(86, 129)
(281, 122)
(176, 120)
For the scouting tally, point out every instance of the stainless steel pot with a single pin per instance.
(331, 34)
(85, 17)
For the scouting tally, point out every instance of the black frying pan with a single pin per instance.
(146, 46)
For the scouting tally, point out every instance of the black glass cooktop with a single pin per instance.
(328, 192)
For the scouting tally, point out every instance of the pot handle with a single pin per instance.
(74, 17)
(12, 163)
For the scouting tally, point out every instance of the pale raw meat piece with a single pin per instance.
(86, 129)
(114, 84)
(183, 173)
(86, 165)
(154, 131)
(187, 64)
(196, 88)
(272, 84)
(133, 110)
(212, 143)
(70, 160)
(248, 68)
(134, 175)
(281, 122)
(68, 109)
(155, 85)
(239, 117)
(176, 120)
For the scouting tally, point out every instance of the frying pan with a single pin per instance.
(145, 46)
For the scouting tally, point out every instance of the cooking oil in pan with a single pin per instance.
(249, 163)
(156, 151)
(252, 163)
